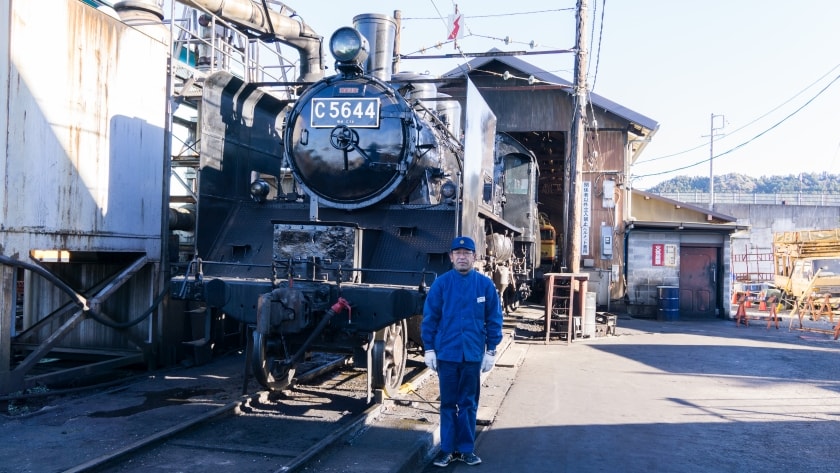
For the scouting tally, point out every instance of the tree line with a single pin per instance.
(807, 183)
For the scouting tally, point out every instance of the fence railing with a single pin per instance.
(782, 198)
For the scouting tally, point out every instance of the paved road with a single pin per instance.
(682, 396)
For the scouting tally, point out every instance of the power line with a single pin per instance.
(751, 139)
(469, 32)
(703, 145)
(600, 37)
(534, 12)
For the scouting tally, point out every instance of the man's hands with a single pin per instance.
(430, 359)
(488, 361)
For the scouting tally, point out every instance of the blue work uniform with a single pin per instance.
(462, 318)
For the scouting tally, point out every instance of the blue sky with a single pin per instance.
(766, 66)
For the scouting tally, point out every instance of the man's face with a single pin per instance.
(462, 260)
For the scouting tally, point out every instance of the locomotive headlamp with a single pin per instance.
(348, 46)
(259, 190)
(447, 190)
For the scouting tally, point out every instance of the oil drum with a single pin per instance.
(668, 308)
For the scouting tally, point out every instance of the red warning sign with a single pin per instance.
(658, 254)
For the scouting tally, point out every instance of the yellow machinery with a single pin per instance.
(807, 263)
(548, 238)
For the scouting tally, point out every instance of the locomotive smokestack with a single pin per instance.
(380, 31)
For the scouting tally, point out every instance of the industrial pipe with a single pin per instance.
(285, 29)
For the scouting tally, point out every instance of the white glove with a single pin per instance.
(488, 361)
(430, 359)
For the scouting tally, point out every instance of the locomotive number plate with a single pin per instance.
(351, 112)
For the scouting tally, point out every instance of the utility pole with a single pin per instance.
(578, 134)
(712, 130)
(397, 40)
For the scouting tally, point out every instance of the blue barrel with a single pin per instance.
(669, 303)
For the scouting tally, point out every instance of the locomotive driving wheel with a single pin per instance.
(388, 357)
(271, 372)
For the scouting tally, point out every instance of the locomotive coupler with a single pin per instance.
(336, 308)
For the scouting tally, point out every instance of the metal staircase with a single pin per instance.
(202, 44)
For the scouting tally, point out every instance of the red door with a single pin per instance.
(698, 282)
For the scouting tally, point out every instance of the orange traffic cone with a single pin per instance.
(762, 305)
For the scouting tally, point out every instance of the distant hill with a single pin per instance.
(813, 183)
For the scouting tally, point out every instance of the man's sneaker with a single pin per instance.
(443, 459)
(470, 459)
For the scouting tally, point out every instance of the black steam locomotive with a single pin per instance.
(321, 221)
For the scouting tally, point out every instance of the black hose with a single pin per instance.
(130, 323)
(46, 275)
(79, 300)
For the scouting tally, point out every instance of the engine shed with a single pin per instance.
(537, 108)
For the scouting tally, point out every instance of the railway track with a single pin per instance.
(201, 426)
(196, 419)
(259, 432)
(240, 437)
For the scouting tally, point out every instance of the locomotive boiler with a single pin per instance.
(322, 220)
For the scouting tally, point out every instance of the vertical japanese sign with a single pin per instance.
(585, 216)
(670, 255)
(657, 257)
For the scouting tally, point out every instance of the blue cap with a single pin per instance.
(466, 243)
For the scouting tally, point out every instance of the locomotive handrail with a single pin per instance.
(402, 271)
(205, 262)
(285, 262)
(435, 118)
(373, 270)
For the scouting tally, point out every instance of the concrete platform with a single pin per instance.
(684, 396)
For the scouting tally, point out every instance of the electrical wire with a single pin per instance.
(751, 139)
(469, 32)
(600, 37)
(461, 67)
(703, 145)
(495, 15)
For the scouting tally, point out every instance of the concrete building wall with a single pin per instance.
(643, 277)
(764, 220)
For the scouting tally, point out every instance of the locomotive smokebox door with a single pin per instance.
(318, 252)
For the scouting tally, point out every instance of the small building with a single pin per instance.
(671, 244)
(536, 108)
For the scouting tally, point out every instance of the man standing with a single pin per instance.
(462, 324)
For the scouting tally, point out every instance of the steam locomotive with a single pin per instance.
(322, 221)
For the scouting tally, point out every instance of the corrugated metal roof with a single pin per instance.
(648, 124)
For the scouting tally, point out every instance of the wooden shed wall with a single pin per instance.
(546, 111)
